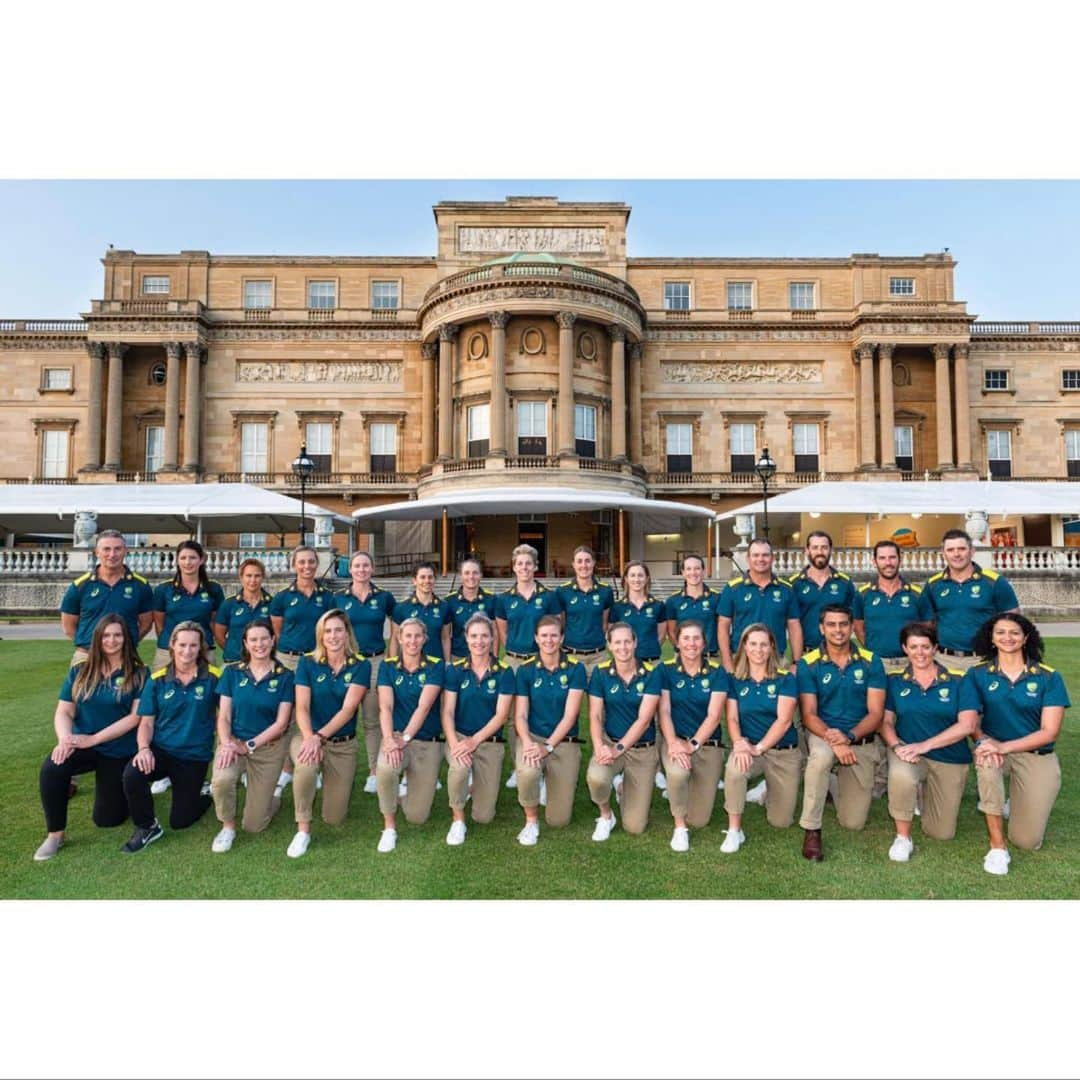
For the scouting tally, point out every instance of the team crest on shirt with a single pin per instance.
(273, 684)
(373, 603)
(858, 674)
(421, 678)
(129, 590)
(744, 691)
(1032, 688)
(976, 589)
(200, 692)
(596, 599)
(491, 685)
(771, 689)
(538, 602)
(204, 596)
(562, 680)
(943, 693)
(777, 596)
(905, 600)
(348, 676)
(640, 687)
(834, 588)
(649, 610)
(704, 684)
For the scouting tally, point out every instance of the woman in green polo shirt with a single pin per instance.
(95, 722)
(191, 595)
(239, 609)
(1017, 705)
(331, 683)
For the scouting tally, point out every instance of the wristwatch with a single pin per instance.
(694, 743)
(406, 738)
(549, 748)
(851, 737)
(620, 747)
(250, 744)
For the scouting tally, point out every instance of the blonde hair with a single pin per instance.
(526, 549)
(741, 663)
(190, 626)
(351, 648)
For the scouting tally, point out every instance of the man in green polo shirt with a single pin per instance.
(817, 584)
(883, 607)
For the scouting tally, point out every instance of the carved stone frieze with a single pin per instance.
(41, 344)
(120, 328)
(665, 335)
(318, 371)
(482, 240)
(572, 297)
(980, 345)
(742, 372)
(300, 336)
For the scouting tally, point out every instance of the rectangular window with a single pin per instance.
(743, 447)
(319, 439)
(254, 439)
(680, 448)
(999, 452)
(807, 451)
(740, 295)
(1070, 379)
(532, 428)
(54, 454)
(384, 295)
(996, 379)
(904, 447)
(258, 295)
(251, 541)
(585, 430)
(479, 430)
(901, 286)
(801, 295)
(1072, 451)
(56, 378)
(322, 295)
(155, 285)
(155, 449)
(383, 448)
(676, 295)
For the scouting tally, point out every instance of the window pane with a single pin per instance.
(532, 419)
(903, 440)
(901, 286)
(384, 294)
(155, 285)
(807, 463)
(252, 540)
(319, 441)
(805, 438)
(57, 379)
(322, 295)
(1072, 444)
(996, 379)
(479, 418)
(742, 439)
(257, 294)
(54, 454)
(740, 295)
(155, 448)
(998, 445)
(253, 442)
(676, 295)
(1070, 380)
(680, 439)
(801, 294)
(585, 422)
(384, 439)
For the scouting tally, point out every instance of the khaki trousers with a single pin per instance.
(288, 660)
(638, 767)
(1034, 783)
(421, 760)
(957, 663)
(944, 782)
(161, 659)
(590, 661)
(338, 769)
(560, 772)
(262, 768)
(783, 771)
(692, 794)
(370, 713)
(511, 730)
(487, 762)
(855, 784)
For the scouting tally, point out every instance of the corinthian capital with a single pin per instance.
(616, 333)
(941, 351)
(566, 320)
(635, 350)
(193, 349)
(116, 350)
(429, 350)
(498, 319)
(172, 350)
(961, 351)
(448, 332)
(863, 354)
(96, 349)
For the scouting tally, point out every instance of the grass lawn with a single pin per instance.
(343, 863)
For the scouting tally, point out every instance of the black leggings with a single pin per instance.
(188, 802)
(110, 806)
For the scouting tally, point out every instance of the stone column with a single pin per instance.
(115, 406)
(963, 407)
(566, 382)
(885, 390)
(618, 392)
(192, 406)
(171, 456)
(427, 402)
(944, 407)
(446, 391)
(498, 320)
(864, 357)
(636, 360)
(96, 349)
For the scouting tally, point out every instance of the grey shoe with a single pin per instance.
(48, 849)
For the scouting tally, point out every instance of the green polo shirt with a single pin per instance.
(691, 695)
(811, 597)
(185, 717)
(89, 598)
(300, 613)
(178, 605)
(328, 689)
(645, 620)
(408, 686)
(681, 607)
(885, 616)
(622, 700)
(461, 611)
(111, 701)
(522, 615)
(584, 610)
(234, 614)
(1012, 710)
(547, 692)
(477, 699)
(922, 714)
(744, 603)
(960, 608)
(255, 703)
(758, 705)
(434, 616)
(841, 692)
(368, 618)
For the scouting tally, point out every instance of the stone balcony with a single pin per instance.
(549, 470)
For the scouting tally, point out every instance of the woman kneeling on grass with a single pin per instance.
(177, 711)
(95, 723)
(256, 706)
(330, 686)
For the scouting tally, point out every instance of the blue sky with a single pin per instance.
(1016, 242)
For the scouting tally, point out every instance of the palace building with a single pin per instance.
(533, 351)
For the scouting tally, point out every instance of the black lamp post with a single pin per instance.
(303, 466)
(766, 470)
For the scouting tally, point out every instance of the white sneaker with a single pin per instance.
(901, 849)
(388, 840)
(680, 839)
(299, 845)
(616, 785)
(1005, 810)
(997, 861)
(604, 826)
(159, 787)
(758, 793)
(530, 834)
(223, 841)
(284, 780)
(403, 787)
(511, 780)
(206, 788)
(456, 835)
(719, 785)
(468, 792)
(370, 786)
(543, 792)
(733, 841)
(243, 779)
(318, 781)
(660, 780)
(438, 784)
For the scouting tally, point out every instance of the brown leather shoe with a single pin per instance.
(811, 846)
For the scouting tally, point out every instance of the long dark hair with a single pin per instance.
(192, 545)
(90, 674)
(984, 637)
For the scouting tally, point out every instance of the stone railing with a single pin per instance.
(533, 461)
(221, 563)
(919, 563)
(464, 465)
(523, 269)
(33, 561)
(979, 329)
(743, 479)
(43, 326)
(318, 480)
